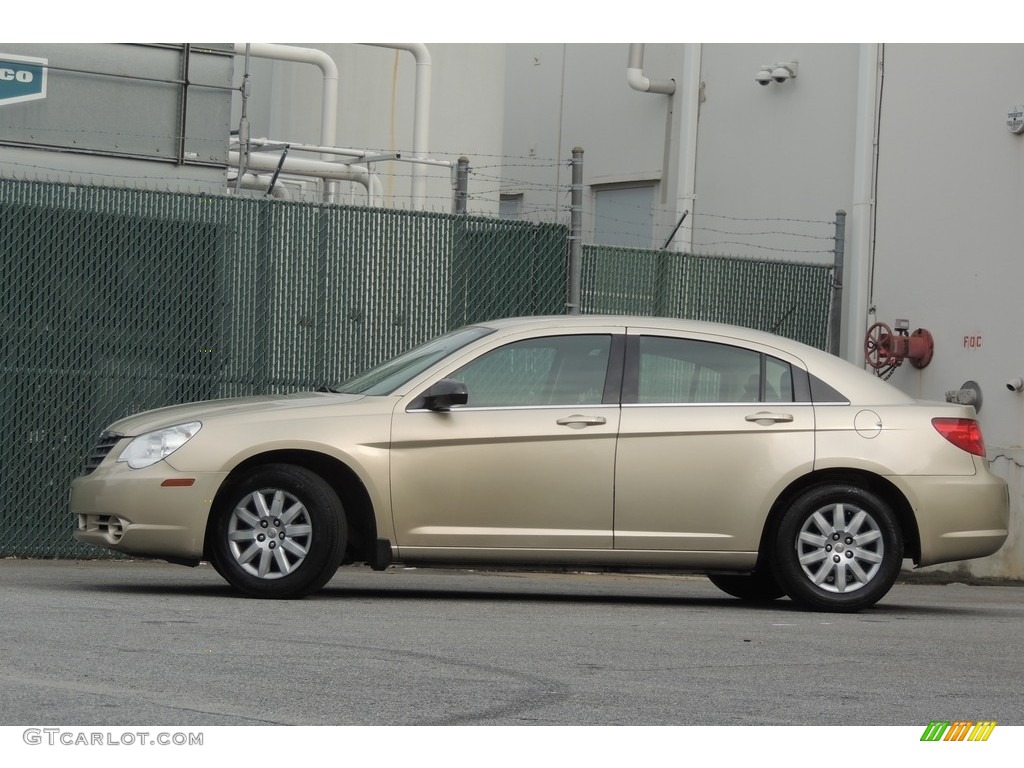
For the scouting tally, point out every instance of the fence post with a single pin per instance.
(575, 260)
(461, 184)
(835, 319)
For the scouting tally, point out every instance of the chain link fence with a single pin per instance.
(788, 298)
(115, 301)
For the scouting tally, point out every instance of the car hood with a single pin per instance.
(236, 406)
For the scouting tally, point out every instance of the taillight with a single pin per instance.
(965, 434)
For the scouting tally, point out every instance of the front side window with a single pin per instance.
(553, 370)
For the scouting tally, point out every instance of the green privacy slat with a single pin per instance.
(114, 301)
(787, 298)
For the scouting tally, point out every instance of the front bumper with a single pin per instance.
(151, 512)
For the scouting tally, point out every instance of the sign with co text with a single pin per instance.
(22, 78)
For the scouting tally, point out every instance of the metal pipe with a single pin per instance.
(835, 320)
(462, 185)
(243, 123)
(319, 169)
(575, 256)
(329, 108)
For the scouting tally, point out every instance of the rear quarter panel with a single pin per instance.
(889, 440)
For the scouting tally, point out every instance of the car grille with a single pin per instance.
(106, 443)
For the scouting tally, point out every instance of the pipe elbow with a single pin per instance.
(638, 81)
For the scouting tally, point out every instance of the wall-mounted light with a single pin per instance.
(779, 72)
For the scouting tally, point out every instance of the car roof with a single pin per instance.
(641, 321)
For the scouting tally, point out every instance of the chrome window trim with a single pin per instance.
(747, 404)
(473, 408)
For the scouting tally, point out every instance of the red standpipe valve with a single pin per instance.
(884, 349)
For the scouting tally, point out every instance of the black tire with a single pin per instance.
(839, 547)
(757, 587)
(281, 533)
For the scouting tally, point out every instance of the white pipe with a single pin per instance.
(420, 118)
(328, 152)
(320, 169)
(859, 254)
(636, 78)
(262, 183)
(329, 107)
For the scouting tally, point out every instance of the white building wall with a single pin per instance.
(559, 97)
(950, 222)
(781, 152)
(774, 156)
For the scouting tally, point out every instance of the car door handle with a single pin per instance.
(581, 421)
(766, 418)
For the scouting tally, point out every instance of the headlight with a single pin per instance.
(146, 450)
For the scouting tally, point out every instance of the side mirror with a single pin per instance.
(444, 394)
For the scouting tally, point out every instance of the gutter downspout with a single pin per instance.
(636, 78)
(638, 81)
(421, 116)
(861, 251)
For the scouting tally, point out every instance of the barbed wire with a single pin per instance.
(489, 186)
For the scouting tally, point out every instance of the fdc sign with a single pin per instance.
(22, 78)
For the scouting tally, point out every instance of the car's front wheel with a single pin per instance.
(280, 534)
(839, 547)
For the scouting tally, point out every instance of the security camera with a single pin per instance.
(764, 76)
(1015, 385)
(783, 71)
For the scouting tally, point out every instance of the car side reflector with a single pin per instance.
(965, 434)
(178, 482)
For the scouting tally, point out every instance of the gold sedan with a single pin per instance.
(773, 467)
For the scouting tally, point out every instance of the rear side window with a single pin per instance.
(778, 381)
(687, 371)
(825, 393)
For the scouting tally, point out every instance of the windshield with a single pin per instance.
(389, 376)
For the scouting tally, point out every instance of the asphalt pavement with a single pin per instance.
(112, 643)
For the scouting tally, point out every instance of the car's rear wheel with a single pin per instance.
(280, 534)
(759, 586)
(839, 547)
